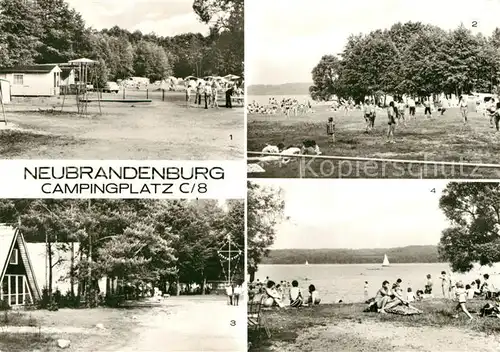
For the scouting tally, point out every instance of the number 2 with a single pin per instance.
(474, 24)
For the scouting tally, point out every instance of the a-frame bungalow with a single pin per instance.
(17, 278)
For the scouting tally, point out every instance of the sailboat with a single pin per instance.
(306, 263)
(386, 261)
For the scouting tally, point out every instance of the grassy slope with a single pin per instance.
(443, 138)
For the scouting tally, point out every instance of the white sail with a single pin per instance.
(386, 261)
(307, 263)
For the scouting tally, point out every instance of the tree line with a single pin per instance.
(409, 254)
(160, 242)
(49, 31)
(410, 58)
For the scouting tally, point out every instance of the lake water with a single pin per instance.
(337, 282)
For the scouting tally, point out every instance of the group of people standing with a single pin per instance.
(208, 91)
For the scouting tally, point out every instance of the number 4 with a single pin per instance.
(433, 190)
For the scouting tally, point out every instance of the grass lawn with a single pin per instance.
(344, 327)
(442, 138)
(41, 128)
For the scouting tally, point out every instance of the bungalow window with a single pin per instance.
(13, 257)
(19, 79)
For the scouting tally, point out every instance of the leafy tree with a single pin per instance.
(63, 31)
(474, 212)
(326, 78)
(264, 211)
(20, 26)
(151, 61)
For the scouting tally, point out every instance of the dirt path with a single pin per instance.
(189, 326)
(371, 336)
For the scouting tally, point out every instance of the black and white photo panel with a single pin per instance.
(373, 89)
(112, 79)
(343, 265)
(122, 275)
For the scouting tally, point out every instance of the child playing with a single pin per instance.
(366, 290)
(330, 130)
(427, 108)
(461, 297)
(428, 285)
(313, 298)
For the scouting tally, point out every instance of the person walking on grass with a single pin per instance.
(464, 108)
(496, 117)
(330, 130)
(391, 115)
(402, 111)
(490, 110)
(427, 108)
(188, 95)
(229, 94)
(461, 296)
(412, 106)
(445, 284)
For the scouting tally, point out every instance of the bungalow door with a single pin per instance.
(15, 290)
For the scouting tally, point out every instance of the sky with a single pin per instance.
(285, 39)
(163, 17)
(354, 214)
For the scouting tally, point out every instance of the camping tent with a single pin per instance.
(231, 77)
(4, 91)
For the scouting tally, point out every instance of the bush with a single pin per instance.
(4, 305)
(113, 301)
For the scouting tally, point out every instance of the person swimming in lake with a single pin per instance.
(313, 298)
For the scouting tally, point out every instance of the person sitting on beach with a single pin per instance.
(273, 297)
(383, 296)
(273, 149)
(313, 298)
(420, 295)
(488, 289)
(309, 147)
(491, 310)
(296, 299)
(428, 285)
(461, 297)
(410, 297)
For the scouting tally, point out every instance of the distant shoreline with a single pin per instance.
(409, 254)
(289, 89)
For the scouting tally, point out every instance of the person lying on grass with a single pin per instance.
(273, 296)
(461, 298)
(296, 299)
